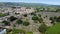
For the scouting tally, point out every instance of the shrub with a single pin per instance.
(6, 22)
(25, 15)
(33, 14)
(51, 18)
(58, 19)
(35, 18)
(43, 28)
(12, 18)
(37, 9)
(57, 10)
(40, 20)
(39, 15)
(25, 23)
(19, 21)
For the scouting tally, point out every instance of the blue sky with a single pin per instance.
(54, 2)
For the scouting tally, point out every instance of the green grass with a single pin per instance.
(54, 29)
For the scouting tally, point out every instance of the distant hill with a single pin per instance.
(25, 4)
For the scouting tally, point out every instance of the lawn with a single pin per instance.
(54, 29)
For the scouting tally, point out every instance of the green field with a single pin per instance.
(54, 29)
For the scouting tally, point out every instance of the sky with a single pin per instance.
(52, 2)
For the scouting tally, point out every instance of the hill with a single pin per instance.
(25, 4)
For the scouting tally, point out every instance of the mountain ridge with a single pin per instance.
(25, 4)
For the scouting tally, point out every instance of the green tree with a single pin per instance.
(12, 18)
(25, 15)
(33, 13)
(25, 23)
(58, 19)
(19, 21)
(39, 15)
(57, 10)
(42, 28)
(40, 20)
(6, 22)
(37, 9)
(35, 18)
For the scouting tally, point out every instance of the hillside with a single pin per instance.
(54, 29)
(25, 4)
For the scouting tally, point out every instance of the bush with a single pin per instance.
(35, 18)
(39, 15)
(52, 22)
(25, 15)
(40, 20)
(19, 21)
(43, 28)
(25, 23)
(38, 9)
(57, 10)
(51, 18)
(6, 22)
(33, 14)
(58, 19)
(12, 18)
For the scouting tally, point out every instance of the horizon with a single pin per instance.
(50, 2)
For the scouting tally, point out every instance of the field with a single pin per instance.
(54, 29)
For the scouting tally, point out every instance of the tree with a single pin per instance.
(42, 28)
(39, 15)
(25, 23)
(51, 18)
(6, 22)
(25, 15)
(58, 19)
(12, 18)
(35, 18)
(19, 21)
(46, 15)
(52, 22)
(33, 13)
(40, 20)
(37, 9)
(57, 10)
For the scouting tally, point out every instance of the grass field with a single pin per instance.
(54, 29)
